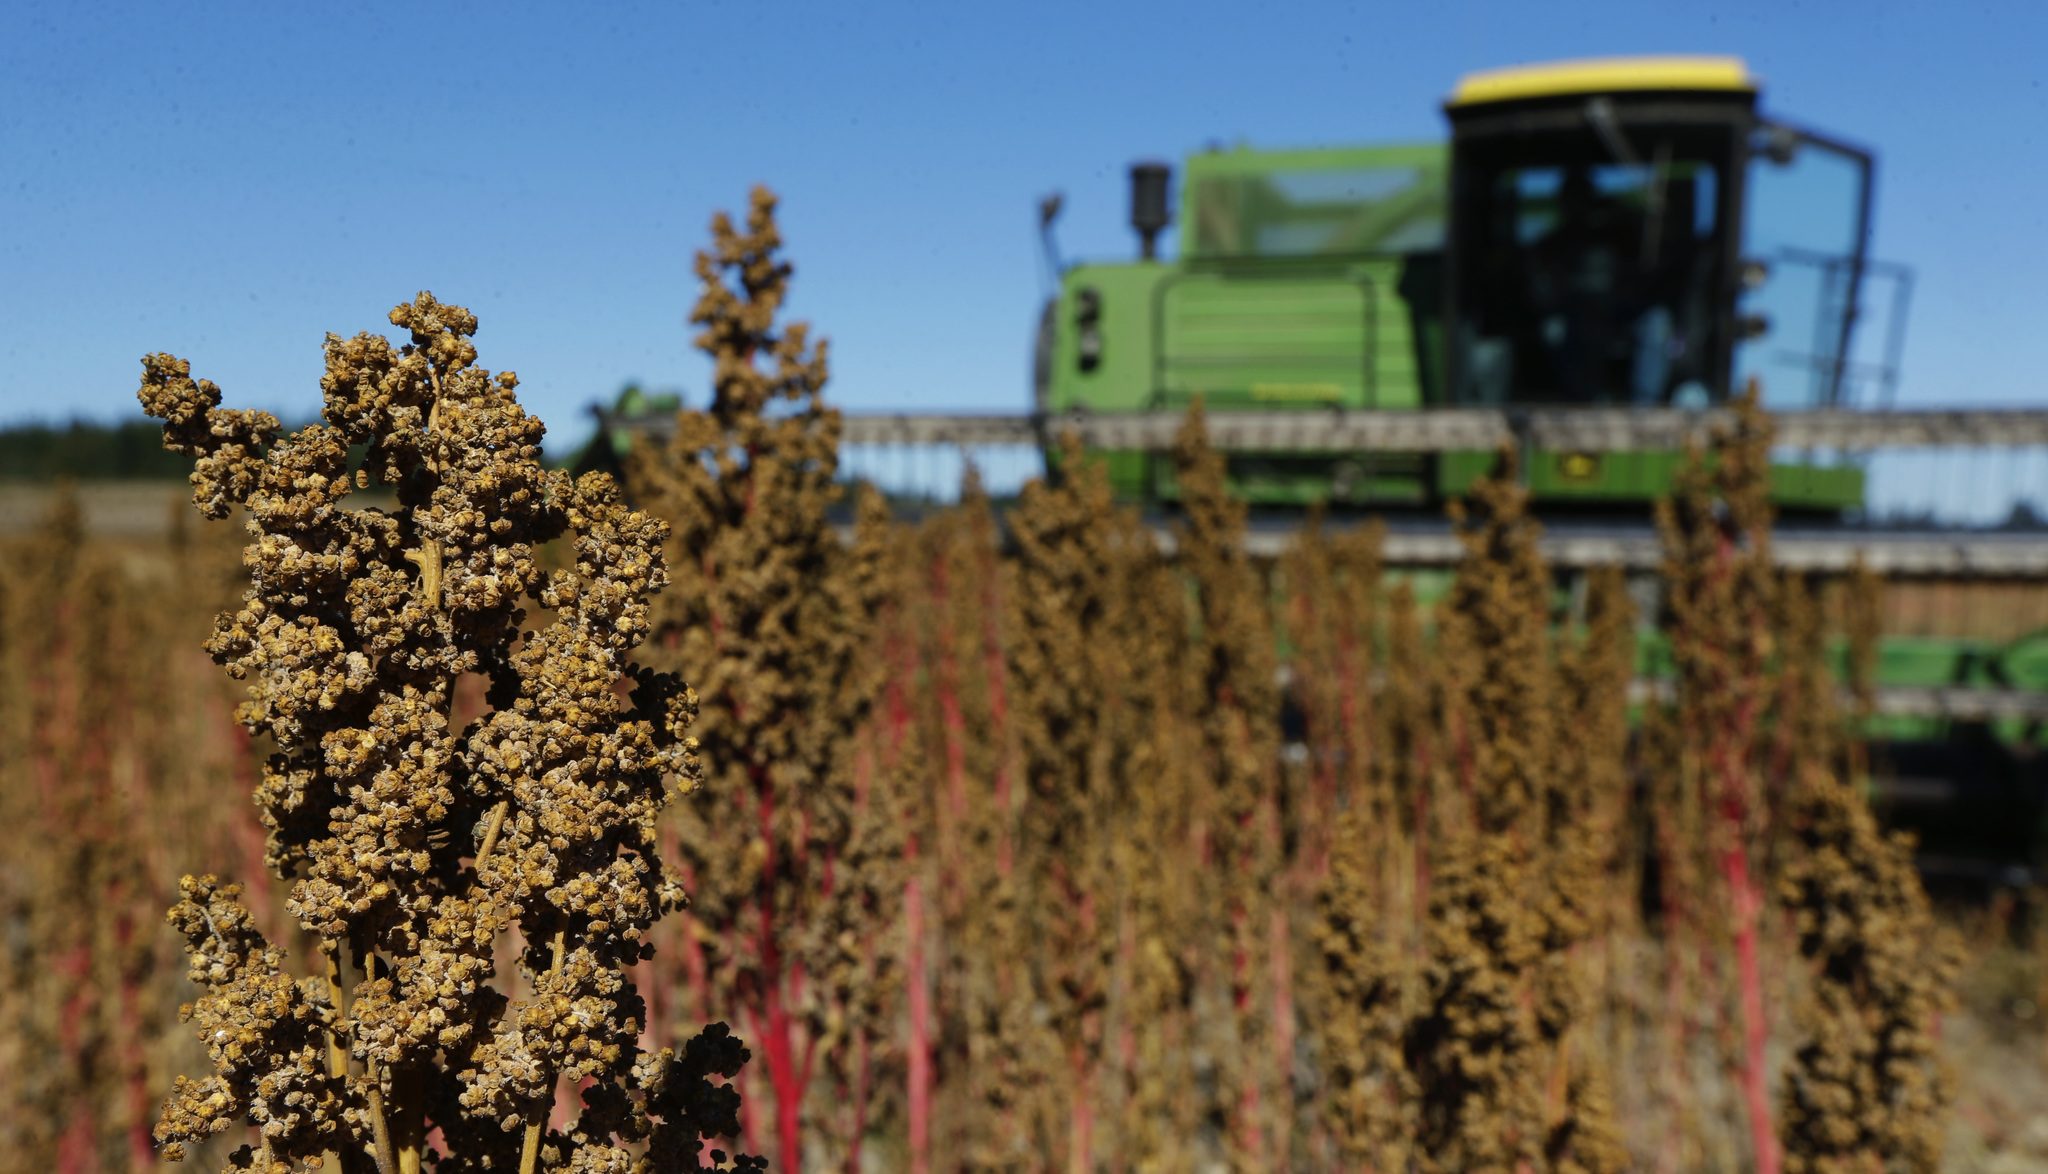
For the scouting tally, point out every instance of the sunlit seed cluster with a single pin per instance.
(413, 843)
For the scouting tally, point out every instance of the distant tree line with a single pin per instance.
(90, 451)
(130, 451)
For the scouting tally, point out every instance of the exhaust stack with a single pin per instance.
(1149, 212)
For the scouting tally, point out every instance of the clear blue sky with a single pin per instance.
(229, 182)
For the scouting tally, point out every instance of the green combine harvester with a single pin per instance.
(1615, 234)
(1602, 254)
(1620, 239)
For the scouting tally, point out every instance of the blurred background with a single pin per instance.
(230, 182)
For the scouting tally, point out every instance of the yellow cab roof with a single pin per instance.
(1603, 75)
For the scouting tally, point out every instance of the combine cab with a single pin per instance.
(1620, 234)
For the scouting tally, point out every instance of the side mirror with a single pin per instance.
(1779, 145)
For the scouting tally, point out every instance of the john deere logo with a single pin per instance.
(1578, 466)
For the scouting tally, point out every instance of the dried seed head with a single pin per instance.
(355, 628)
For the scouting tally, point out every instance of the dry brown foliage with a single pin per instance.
(415, 846)
(1014, 851)
(774, 619)
(1866, 1087)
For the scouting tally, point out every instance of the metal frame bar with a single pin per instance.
(1446, 429)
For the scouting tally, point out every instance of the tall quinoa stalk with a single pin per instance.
(1585, 804)
(966, 844)
(969, 837)
(415, 847)
(1158, 1125)
(1475, 1049)
(1595, 775)
(50, 1005)
(1358, 994)
(1720, 585)
(1067, 677)
(860, 971)
(773, 617)
(84, 687)
(1239, 731)
(1410, 754)
(988, 1067)
(1867, 1089)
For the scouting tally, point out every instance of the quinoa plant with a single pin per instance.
(83, 690)
(1360, 998)
(1157, 1028)
(1867, 1089)
(859, 935)
(1476, 1047)
(975, 1063)
(415, 848)
(1331, 618)
(1473, 1049)
(1068, 678)
(984, 1069)
(1408, 734)
(1590, 877)
(1720, 588)
(1501, 600)
(1805, 727)
(1239, 802)
(774, 617)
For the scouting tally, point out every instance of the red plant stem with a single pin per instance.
(695, 966)
(998, 706)
(1674, 985)
(919, 1061)
(1735, 868)
(55, 692)
(1353, 737)
(773, 1023)
(248, 833)
(946, 675)
(1730, 751)
(750, 1104)
(1283, 996)
(1127, 961)
(57, 716)
(1247, 1129)
(896, 696)
(860, 1105)
(78, 1150)
(136, 1062)
(1082, 1137)
(1742, 894)
(1081, 1054)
